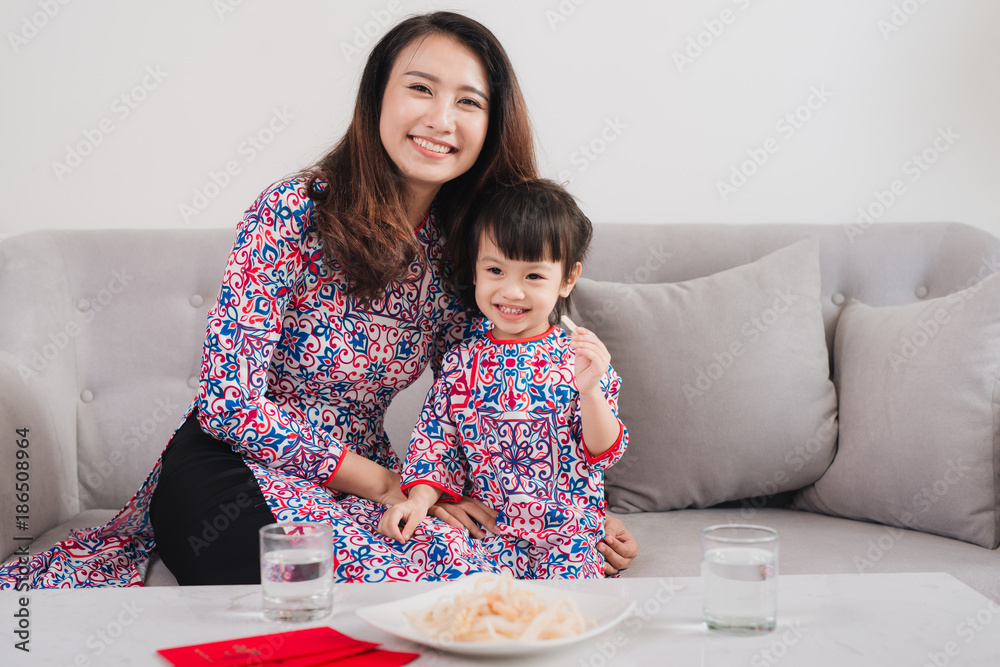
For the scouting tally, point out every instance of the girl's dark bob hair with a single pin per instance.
(535, 220)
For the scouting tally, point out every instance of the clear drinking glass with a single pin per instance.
(296, 571)
(739, 572)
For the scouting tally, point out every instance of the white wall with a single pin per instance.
(603, 70)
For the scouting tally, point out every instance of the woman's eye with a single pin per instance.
(419, 87)
(470, 102)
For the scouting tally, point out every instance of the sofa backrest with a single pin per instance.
(100, 351)
(100, 347)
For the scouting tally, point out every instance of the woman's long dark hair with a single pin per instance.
(360, 212)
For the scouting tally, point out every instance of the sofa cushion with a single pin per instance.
(919, 388)
(725, 381)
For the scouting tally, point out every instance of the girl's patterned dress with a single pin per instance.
(503, 420)
(294, 372)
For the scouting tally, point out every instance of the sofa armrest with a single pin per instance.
(52, 487)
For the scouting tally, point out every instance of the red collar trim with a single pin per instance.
(423, 222)
(514, 341)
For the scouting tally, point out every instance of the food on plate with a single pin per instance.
(497, 609)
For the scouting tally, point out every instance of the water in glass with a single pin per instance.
(740, 588)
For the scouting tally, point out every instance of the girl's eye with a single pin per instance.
(494, 270)
(535, 276)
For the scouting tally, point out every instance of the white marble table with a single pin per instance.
(871, 619)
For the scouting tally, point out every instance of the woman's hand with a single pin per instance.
(465, 513)
(618, 547)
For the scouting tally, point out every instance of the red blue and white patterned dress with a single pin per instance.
(294, 372)
(502, 422)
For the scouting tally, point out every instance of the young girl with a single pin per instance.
(524, 416)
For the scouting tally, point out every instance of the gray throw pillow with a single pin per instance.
(726, 388)
(919, 389)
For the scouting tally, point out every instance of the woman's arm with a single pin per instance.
(271, 254)
(361, 477)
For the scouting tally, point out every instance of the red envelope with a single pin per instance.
(368, 658)
(376, 658)
(297, 648)
(319, 659)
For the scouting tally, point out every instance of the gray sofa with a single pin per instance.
(100, 348)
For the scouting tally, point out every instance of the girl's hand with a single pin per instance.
(409, 512)
(592, 360)
(467, 513)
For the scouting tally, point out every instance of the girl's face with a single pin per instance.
(434, 112)
(517, 296)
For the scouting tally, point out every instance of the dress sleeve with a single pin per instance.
(267, 261)
(435, 455)
(610, 384)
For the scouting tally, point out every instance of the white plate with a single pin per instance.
(604, 610)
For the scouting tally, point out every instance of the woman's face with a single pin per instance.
(434, 112)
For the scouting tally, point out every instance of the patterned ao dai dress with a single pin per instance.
(294, 373)
(503, 419)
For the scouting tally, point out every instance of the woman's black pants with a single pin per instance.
(206, 511)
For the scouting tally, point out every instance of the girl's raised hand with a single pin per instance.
(592, 360)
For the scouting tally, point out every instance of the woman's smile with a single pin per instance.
(434, 148)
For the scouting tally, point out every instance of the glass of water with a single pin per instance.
(296, 571)
(739, 572)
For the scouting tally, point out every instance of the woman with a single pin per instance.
(331, 303)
